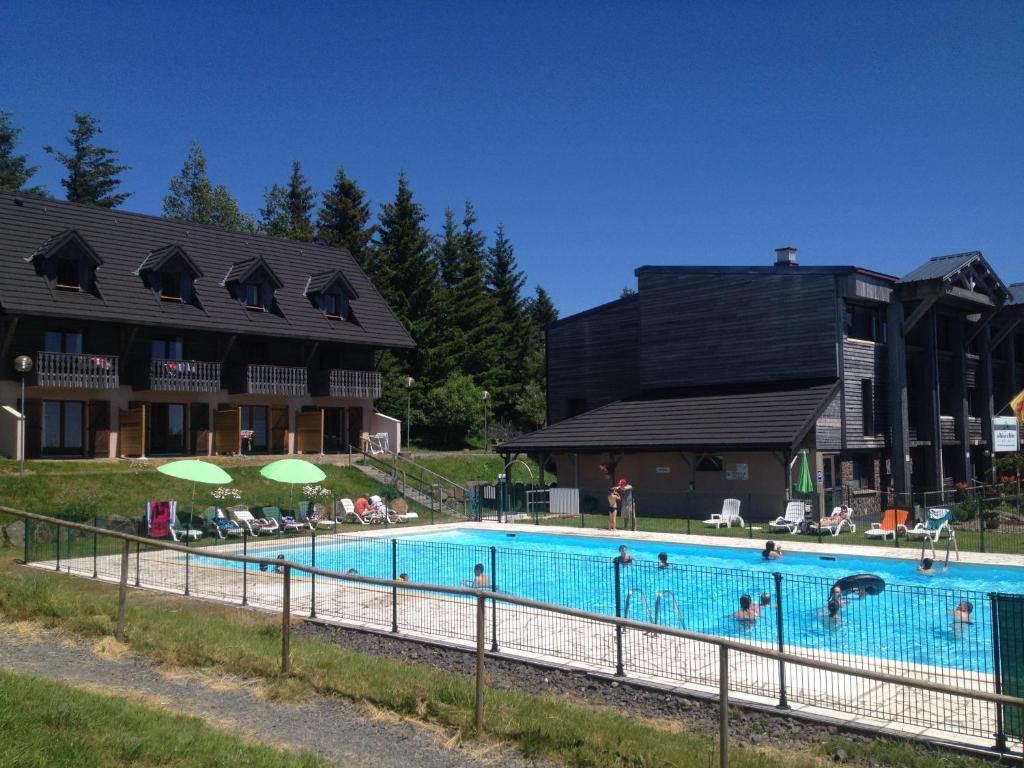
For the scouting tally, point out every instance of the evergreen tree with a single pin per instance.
(15, 171)
(505, 281)
(344, 218)
(193, 197)
(92, 170)
(287, 211)
(530, 404)
(448, 251)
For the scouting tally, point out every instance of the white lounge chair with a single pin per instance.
(729, 515)
(833, 524)
(937, 520)
(790, 522)
(244, 517)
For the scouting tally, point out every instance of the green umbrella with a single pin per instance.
(293, 471)
(197, 471)
(803, 484)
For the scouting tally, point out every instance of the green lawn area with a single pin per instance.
(179, 632)
(476, 467)
(46, 724)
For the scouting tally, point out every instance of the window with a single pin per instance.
(68, 273)
(865, 323)
(63, 341)
(170, 286)
(863, 474)
(867, 401)
(63, 428)
(334, 305)
(944, 333)
(167, 349)
(167, 428)
(258, 296)
(256, 436)
(709, 464)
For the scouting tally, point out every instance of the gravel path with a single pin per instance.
(337, 731)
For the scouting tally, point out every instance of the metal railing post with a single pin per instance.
(122, 593)
(783, 702)
(619, 667)
(981, 523)
(394, 589)
(312, 576)
(286, 618)
(245, 567)
(997, 676)
(723, 706)
(750, 516)
(58, 546)
(27, 526)
(186, 573)
(494, 603)
(95, 547)
(481, 621)
(138, 564)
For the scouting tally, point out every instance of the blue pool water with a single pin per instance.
(910, 621)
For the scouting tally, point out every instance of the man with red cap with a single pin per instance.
(626, 508)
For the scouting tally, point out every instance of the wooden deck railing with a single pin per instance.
(184, 376)
(276, 380)
(76, 371)
(344, 383)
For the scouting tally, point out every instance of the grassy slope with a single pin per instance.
(470, 467)
(179, 632)
(46, 724)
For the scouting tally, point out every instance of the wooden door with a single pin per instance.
(98, 420)
(309, 432)
(227, 431)
(199, 428)
(132, 431)
(279, 429)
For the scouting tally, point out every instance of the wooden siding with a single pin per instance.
(864, 360)
(593, 357)
(708, 329)
(227, 431)
(828, 430)
(309, 432)
(132, 431)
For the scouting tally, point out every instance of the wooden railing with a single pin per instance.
(76, 371)
(184, 376)
(354, 384)
(275, 380)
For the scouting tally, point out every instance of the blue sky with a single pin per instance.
(603, 135)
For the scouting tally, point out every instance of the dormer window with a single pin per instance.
(334, 305)
(170, 274)
(69, 272)
(253, 283)
(254, 299)
(170, 286)
(332, 293)
(67, 263)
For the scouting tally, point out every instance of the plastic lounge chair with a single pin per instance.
(892, 521)
(272, 519)
(226, 527)
(937, 520)
(729, 515)
(290, 525)
(180, 532)
(790, 522)
(315, 518)
(244, 517)
(833, 524)
(351, 516)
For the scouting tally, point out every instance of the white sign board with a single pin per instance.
(737, 472)
(1005, 437)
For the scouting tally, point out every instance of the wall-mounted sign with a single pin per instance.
(1005, 434)
(737, 472)
(662, 470)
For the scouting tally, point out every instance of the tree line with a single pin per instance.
(480, 340)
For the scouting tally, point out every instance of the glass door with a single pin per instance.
(63, 428)
(255, 429)
(167, 433)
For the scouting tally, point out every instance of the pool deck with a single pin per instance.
(682, 666)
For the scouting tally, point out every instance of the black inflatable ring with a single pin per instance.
(867, 583)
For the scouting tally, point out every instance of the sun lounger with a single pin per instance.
(272, 519)
(245, 518)
(834, 523)
(892, 521)
(350, 515)
(290, 525)
(796, 511)
(729, 516)
(938, 519)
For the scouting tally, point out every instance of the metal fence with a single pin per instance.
(904, 634)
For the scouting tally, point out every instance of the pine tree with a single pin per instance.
(448, 250)
(287, 211)
(344, 218)
(193, 197)
(92, 171)
(505, 282)
(530, 405)
(15, 171)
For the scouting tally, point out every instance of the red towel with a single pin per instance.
(159, 519)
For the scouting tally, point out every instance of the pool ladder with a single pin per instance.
(665, 596)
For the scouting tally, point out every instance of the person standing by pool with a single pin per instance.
(771, 551)
(613, 507)
(626, 505)
(624, 557)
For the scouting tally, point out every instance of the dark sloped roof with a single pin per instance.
(1016, 294)
(323, 280)
(58, 241)
(775, 419)
(941, 267)
(124, 240)
(156, 259)
(243, 270)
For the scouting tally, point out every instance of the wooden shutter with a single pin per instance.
(279, 429)
(132, 431)
(227, 431)
(199, 428)
(99, 428)
(33, 428)
(309, 431)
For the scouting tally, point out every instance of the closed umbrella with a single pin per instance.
(292, 471)
(197, 471)
(803, 485)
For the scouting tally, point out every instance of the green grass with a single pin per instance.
(176, 631)
(476, 467)
(47, 723)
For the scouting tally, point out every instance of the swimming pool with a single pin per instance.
(909, 622)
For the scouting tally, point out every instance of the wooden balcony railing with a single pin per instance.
(354, 384)
(184, 376)
(974, 433)
(275, 380)
(76, 371)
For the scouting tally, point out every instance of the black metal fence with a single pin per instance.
(905, 631)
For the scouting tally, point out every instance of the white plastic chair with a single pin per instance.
(729, 515)
(796, 511)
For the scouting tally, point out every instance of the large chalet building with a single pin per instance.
(709, 381)
(153, 337)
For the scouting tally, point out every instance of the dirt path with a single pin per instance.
(337, 731)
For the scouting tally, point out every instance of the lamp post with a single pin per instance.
(486, 396)
(409, 381)
(22, 364)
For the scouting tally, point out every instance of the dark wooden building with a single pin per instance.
(893, 381)
(155, 337)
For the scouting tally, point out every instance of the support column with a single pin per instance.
(1011, 358)
(961, 469)
(898, 412)
(933, 473)
(986, 389)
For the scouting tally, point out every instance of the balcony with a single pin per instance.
(343, 383)
(275, 380)
(974, 433)
(184, 376)
(68, 370)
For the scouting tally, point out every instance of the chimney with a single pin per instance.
(785, 256)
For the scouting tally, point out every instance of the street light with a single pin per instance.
(486, 396)
(409, 381)
(23, 364)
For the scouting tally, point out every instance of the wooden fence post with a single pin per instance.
(481, 631)
(723, 706)
(286, 618)
(122, 593)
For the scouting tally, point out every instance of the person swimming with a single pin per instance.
(663, 560)
(746, 613)
(624, 557)
(925, 568)
(771, 551)
(962, 614)
(279, 568)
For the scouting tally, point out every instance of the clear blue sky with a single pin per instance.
(603, 135)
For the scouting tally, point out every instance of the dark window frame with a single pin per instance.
(64, 337)
(865, 322)
(63, 449)
(163, 345)
(710, 463)
(867, 395)
(861, 465)
(335, 305)
(66, 262)
(171, 279)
